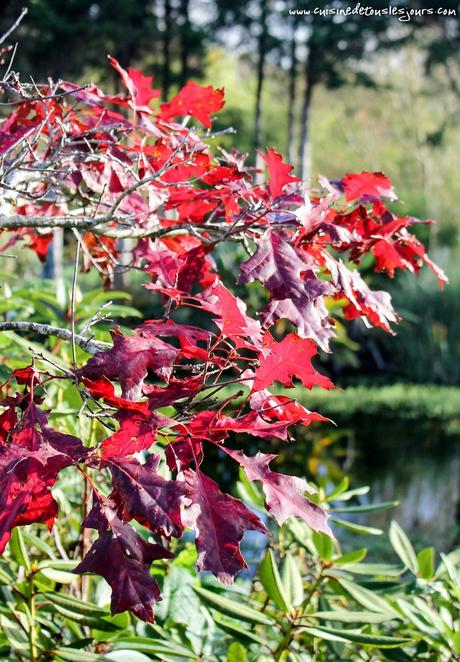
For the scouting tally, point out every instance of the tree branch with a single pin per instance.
(87, 344)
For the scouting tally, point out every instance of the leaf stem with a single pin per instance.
(289, 635)
(32, 631)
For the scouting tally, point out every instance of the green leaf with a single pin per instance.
(368, 599)
(292, 580)
(352, 616)
(58, 564)
(34, 541)
(58, 576)
(18, 549)
(237, 610)
(324, 545)
(355, 556)
(271, 581)
(369, 508)
(152, 647)
(339, 489)
(236, 653)
(456, 642)
(79, 608)
(346, 496)
(356, 528)
(403, 547)
(411, 613)
(376, 569)
(377, 641)
(15, 635)
(237, 632)
(76, 655)
(425, 563)
(452, 572)
(126, 656)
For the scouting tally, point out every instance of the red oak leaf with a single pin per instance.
(281, 361)
(363, 302)
(231, 313)
(368, 186)
(296, 293)
(214, 426)
(137, 432)
(220, 522)
(282, 408)
(129, 360)
(30, 462)
(196, 100)
(138, 85)
(141, 493)
(177, 389)
(138, 423)
(279, 172)
(123, 558)
(283, 494)
(177, 274)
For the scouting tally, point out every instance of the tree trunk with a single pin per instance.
(305, 142)
(262, 48)
(184, 41)
(166, 78)
(292, 93)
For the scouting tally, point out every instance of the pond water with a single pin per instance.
(424, 478)
(413, 461)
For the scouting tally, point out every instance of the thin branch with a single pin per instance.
(5, 36)
(87, 344)
(72, 302)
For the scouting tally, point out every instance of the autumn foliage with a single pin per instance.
(106, 168)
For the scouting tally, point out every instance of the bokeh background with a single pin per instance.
(334, 94)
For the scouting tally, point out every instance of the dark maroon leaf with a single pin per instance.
(220, 522)
(141, 493)
(123, 558)
(129, 360)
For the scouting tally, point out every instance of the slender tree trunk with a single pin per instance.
(166, 78)
(184, 41)
(292, 93)
(305, 141)
(262, 48)
(53, 269)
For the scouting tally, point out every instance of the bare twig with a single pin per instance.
(5, 36)
(87, 344)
